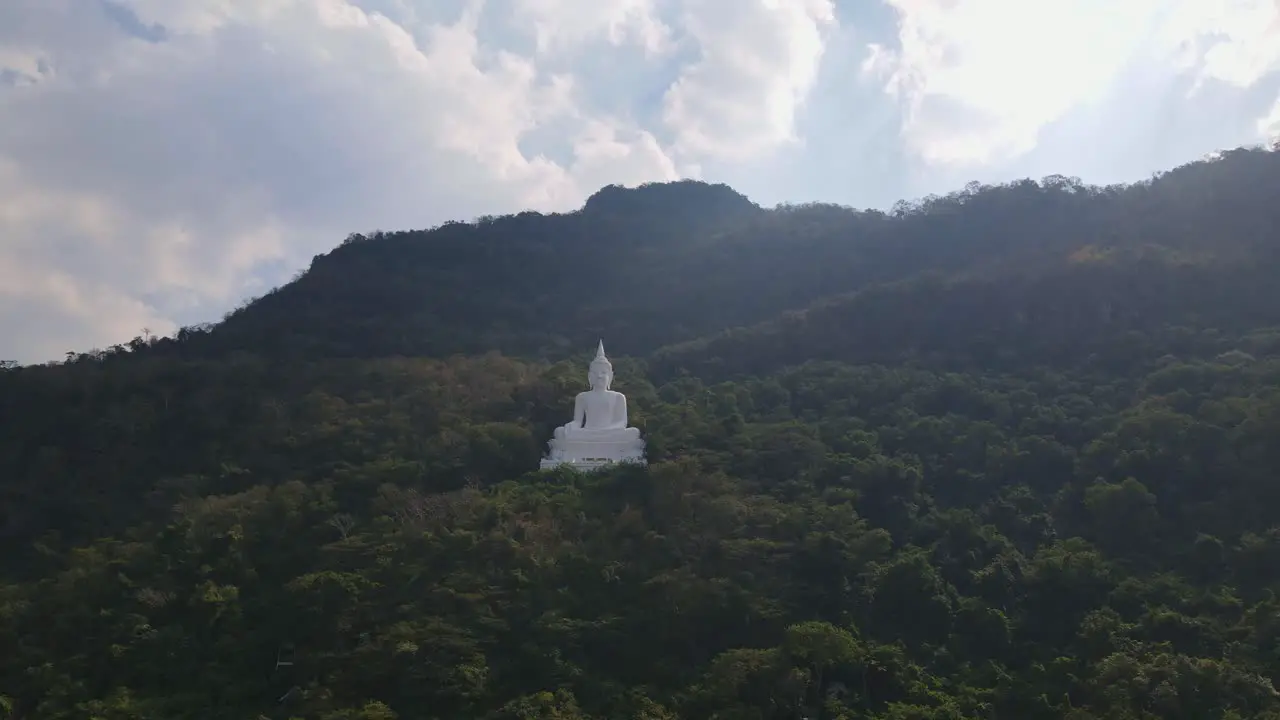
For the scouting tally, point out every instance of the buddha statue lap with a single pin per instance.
(598, 433)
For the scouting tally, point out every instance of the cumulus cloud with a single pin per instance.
(1233, 41)
(756, 64)
(566, 24)
(160, 160)
(979, 80)
(1269, 126)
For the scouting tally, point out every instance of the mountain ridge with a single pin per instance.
(648, 268)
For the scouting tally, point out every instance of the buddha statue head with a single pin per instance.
(600, 372)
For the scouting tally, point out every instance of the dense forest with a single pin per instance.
(1011, 453)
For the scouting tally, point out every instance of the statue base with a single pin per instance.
(587, 464)
(592, 454)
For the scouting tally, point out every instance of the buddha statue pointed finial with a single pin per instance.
(600, 369)
(598, 433)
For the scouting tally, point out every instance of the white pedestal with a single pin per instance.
(586, 465)
(589, 455)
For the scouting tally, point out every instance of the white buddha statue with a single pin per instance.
(598, 433)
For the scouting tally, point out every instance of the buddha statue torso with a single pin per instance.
(599, 414)
(599, 410)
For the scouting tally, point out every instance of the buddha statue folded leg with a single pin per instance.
(585, 435)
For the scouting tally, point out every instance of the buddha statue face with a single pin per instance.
(600, 376)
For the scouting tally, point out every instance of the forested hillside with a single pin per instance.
(663, 264)
(1012, 453)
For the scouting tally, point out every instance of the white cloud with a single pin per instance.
(45, 297)
(1269, 126)
(980, 79)
(758, 61)
(561, 24)
(1232, 41)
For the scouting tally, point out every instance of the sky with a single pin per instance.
(163, 160)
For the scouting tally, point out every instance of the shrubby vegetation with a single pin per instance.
(1009, 454)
